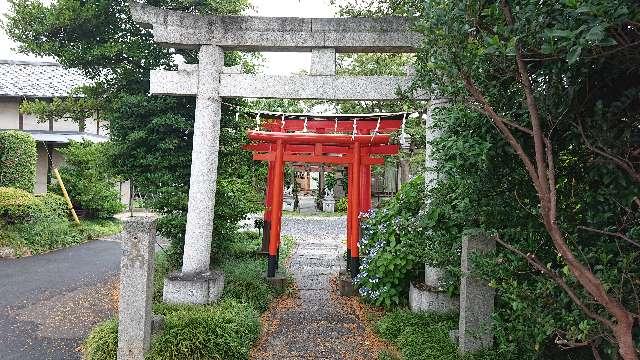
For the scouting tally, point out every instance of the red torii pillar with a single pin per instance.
(268, 201)
(354, 210)
(276, 209)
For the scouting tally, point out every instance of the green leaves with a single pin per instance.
(574, 54)
(18, 157)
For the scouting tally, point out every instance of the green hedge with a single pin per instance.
(224, 331)
(18, 157)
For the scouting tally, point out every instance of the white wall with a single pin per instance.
(41, 170)
(31, 123)
(9, 114)
(42, 167)
(9, 119)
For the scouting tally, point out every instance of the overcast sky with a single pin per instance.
(275, 63)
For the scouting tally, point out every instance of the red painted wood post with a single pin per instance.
(355, 211)
(349, 207)
(365, 180)
(268, 202)
(276, 209)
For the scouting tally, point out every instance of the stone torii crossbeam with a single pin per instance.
(210, 81)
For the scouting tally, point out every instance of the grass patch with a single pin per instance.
(97, 228)
(423, 336)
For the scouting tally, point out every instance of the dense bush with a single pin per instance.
(244, 282)
(88, 181)
(341, 205)
(18, 156)
(424, 336)
(32, 224)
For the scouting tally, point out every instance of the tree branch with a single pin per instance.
(534, 113)
(500, 123)
(624, 164)
(619, 235)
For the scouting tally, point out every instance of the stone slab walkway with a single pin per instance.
(317, 324)
(50, 302)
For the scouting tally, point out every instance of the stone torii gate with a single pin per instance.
(210, 81)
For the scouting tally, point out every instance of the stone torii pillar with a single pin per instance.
(196, 284)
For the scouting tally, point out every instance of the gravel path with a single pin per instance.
(317, 325)
(49, 302)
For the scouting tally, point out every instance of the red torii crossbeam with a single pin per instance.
(301, 140)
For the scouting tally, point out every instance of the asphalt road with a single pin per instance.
(49, 302)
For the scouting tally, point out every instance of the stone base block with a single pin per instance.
(157, 324)
(454, 335)
(328, 206)
(345, 285)
(203, 288)
(426, 300)
(278, 282)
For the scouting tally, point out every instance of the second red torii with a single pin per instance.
(357, 151)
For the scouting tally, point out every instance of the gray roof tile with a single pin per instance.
(38, 79)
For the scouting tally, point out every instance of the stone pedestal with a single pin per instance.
(136, 288)
(430, 295)
(287, 203)
(202, 288)
(328, 205)
(345, 284)
(277, 282)
(476, 297)
(427, 300)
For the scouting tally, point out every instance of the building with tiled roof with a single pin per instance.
(26, 80)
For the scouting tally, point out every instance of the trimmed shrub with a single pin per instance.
(223, 331)
(102, 342)
(88, 182)
(44, 234)
(18, 157)
(18, 206)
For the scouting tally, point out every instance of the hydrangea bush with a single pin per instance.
(387, 246)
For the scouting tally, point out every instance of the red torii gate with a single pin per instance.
(354, 142)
